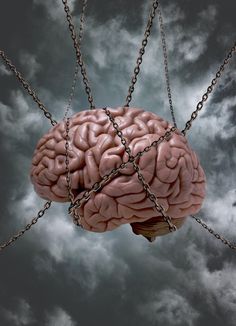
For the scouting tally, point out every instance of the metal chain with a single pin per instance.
(27, 227)
(82, 18)
(216, 235)
(53, 122)
(25, 84)
(68, 174)
(67, 120)
(81, 29)
(115, 171)
(188, 126)
(209, 90)
(68, 178)
(146, 186)
(78, 54)
(142, 51)
(131, 159)
(72, 92)
(107, 177)
(165, 57)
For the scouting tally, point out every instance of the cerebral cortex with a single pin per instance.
(171, 169)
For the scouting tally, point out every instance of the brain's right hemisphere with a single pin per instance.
(172, 169)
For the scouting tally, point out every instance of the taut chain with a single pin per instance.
(97, 185)
(78, 54)
(40, 214)
(154, 8)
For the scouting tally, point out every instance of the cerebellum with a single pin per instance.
(172, 170)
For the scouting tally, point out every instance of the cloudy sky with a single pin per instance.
(59, 275)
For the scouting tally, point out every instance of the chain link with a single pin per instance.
(26, 86)
(78, 54)
(87, 194)
(67, 120)
(68, 174)
(146, 186)
(81, 29)
(107, 177)
(40, 214)
(155, 8)
(98, 185)
(68, 178)
(189, 124)
(165, 57)
(72, 92)
(142, 51)
(209, 90)
(216, 235)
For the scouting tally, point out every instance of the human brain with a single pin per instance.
(171, 169)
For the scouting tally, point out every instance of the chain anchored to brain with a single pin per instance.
(171, 169)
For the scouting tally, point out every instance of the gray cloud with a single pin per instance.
(59, 317)
(169, 307)
(22, 314)
(68, 276)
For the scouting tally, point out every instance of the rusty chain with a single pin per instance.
(136, 167)
(165, 60)
(209, 90)
(154, 8)
(68, 174)
(98, 185)
(166, 136)
(107, 177)
(26, 86)
(150, 195)
(216, 235)
(142, 51)
(40, 214)
(78, 54)
(67, 120)
(53, 122)
(68, 178)
(76, 71)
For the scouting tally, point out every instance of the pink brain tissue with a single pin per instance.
(171, 169)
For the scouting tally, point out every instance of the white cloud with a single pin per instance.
(22, 314)
(59, 317)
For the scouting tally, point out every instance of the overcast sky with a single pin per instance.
(59, 275)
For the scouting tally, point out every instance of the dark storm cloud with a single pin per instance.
(59, 275)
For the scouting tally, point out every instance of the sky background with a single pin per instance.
(60, 275)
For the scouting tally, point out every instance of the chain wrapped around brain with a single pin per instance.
(153, 180)
(171, 169)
